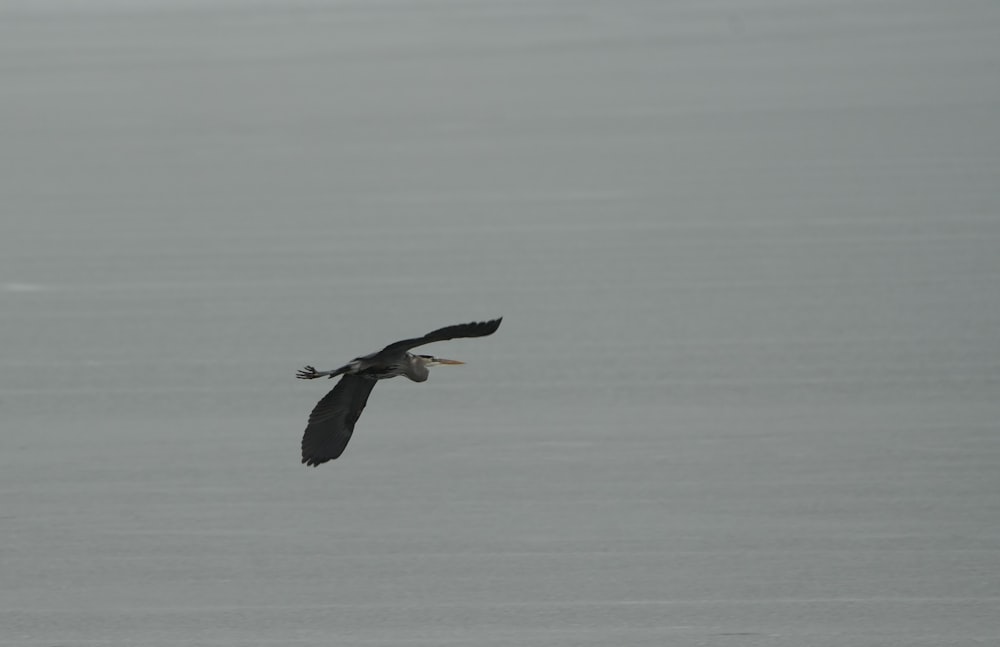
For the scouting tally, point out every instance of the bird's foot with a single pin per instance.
(307, 373)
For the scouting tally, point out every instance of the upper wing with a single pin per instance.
(472, 329)
(331, 422)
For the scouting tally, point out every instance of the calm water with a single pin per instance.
(745, 392)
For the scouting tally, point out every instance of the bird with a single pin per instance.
(332, 420)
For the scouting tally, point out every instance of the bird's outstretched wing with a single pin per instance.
(472, 329)
(331, 422)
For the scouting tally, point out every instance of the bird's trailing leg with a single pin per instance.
(310, 373)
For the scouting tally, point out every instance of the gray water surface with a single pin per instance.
(745, 391)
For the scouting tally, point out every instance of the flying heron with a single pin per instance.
(331, 422)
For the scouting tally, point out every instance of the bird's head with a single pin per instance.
(430, 360)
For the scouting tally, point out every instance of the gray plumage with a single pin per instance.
(332, 420)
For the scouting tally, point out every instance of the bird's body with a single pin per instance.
(332, 420)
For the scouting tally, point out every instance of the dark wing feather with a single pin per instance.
(472, 329)
(331, 422)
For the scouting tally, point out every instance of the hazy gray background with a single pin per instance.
(745, 392)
